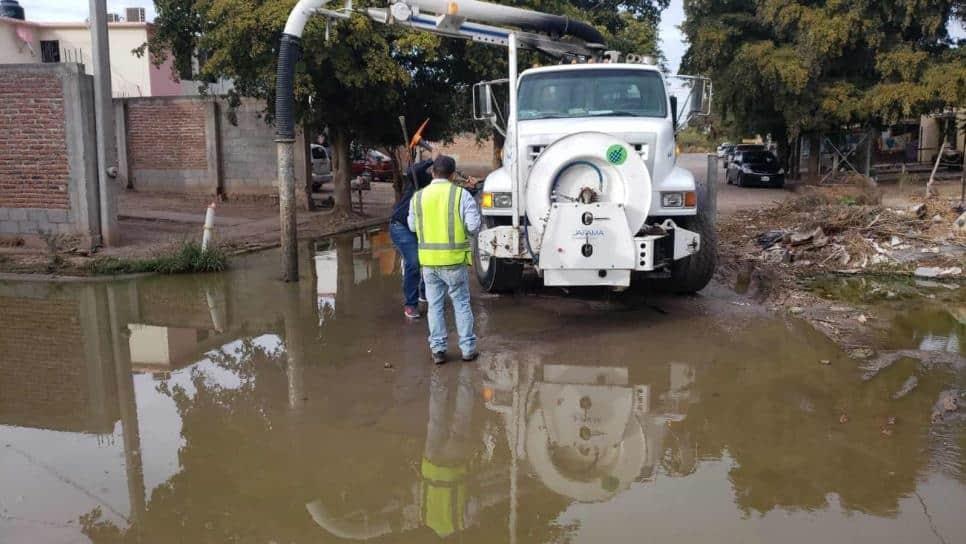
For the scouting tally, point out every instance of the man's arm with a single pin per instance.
(411, 219)
(470, 212)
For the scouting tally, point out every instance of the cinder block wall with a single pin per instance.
(47, 156)
(189, 144)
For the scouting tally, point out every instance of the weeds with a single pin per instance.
(186, 258)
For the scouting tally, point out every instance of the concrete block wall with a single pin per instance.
(48, 160)
(189, 144)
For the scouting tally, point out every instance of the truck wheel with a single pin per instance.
(496, 275)
(691, 274)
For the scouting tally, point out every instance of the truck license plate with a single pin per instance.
(764, 178)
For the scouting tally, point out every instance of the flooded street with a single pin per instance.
(235, 408)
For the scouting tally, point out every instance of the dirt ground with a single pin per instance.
(152, 222)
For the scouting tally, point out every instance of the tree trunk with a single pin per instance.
(342, 172)
(397, 170)
(814, 157)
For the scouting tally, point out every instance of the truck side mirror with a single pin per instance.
(701, 96)
(482, 102)
(674, 111)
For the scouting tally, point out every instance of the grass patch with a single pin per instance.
(185, 259)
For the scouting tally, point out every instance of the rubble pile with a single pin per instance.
(823, 232)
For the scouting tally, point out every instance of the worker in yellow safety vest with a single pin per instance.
(444, 216)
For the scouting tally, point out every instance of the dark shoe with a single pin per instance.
(471, 356)
(439, 357)
(412, 312)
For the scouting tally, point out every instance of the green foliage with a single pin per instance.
(692, 140)
(187, 258)
(791, 66)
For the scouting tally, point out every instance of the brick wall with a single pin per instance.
(45, 380)
(472, 157)
(166, 135)
(33, 165)
(48, 176)
(189, 144)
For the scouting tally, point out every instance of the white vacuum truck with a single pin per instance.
(589, 193)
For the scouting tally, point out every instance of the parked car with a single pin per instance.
(321, 166)
(744, 147)
(376, 164)
(724, 149)
(758, 167)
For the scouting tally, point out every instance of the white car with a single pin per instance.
(321, 166)
(724, 149)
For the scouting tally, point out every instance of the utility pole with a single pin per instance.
(104, 122)
(290, 49)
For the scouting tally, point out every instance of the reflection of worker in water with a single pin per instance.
(447, 507)
(418, 176)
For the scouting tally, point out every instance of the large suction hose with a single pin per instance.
(525, 19)
(288, 54)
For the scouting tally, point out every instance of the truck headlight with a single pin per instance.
(745, 168)
(497, 200)
(679, 199)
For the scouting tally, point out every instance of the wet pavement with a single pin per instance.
(235, 408)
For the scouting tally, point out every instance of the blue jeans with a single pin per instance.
(408, 247)
(455, 281)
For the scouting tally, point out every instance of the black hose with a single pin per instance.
(288, 54)
(582, 30)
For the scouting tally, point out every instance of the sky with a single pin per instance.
(76, 10)
(672, 40)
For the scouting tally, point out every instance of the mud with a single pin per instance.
(236, 408)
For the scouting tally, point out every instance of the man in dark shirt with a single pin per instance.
(418, 176)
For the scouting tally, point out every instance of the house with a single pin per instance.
(26, 42)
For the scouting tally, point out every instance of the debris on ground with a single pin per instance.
(936, 272)
(822, 232)
(907, 386)
(948, 402)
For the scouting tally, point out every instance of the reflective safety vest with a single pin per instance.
(444, 497)
(439, 226)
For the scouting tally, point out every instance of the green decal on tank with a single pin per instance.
(616, 154)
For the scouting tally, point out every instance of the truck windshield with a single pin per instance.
(596, 93)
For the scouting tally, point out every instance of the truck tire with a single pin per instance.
(496, 275)
(691, 274)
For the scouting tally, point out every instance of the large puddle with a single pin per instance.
(235, 408)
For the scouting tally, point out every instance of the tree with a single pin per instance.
(789, 67)
(356, 77)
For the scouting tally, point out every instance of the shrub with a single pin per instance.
(185, 259)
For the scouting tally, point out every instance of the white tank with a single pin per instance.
(587, 167)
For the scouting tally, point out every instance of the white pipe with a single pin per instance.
(300, 15)
(512, 133)
(209, 227)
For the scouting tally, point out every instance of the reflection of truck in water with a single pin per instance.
(582, 433)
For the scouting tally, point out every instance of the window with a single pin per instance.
(50, 51)
(577, 93)
(758, 157)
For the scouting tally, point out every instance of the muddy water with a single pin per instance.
(234, 408)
